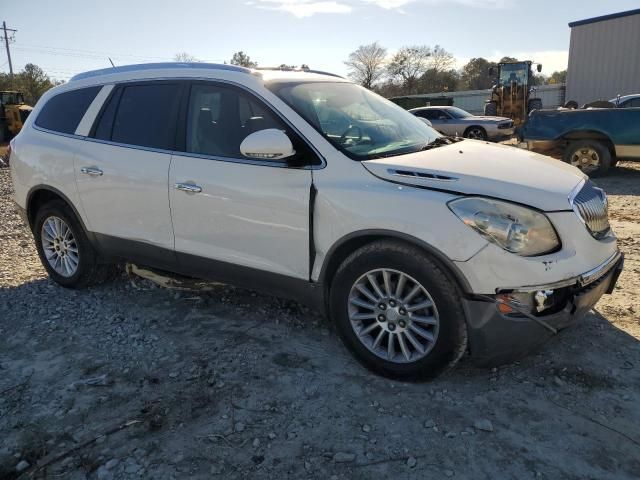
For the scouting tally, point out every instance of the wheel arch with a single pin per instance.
(342, 248)
(600, 136)
(40, 195)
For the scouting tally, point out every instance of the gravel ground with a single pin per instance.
(233, 384)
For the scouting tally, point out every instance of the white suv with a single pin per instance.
(304, 185)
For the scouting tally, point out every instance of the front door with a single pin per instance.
(229, 209)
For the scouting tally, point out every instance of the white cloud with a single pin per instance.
(398, 4)
(303, 8)
(307, 8)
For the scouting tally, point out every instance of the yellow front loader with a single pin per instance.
(13, 113)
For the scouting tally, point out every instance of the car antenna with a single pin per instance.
(111, 62)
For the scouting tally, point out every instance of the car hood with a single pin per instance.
(472, 167)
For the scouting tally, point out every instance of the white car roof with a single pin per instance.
(198, 70)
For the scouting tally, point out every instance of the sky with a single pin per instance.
(66, 37)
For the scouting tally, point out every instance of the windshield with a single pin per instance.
(11, 98)
(456, 112)
(358, 122)
(513, 72)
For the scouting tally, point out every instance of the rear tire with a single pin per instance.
(64, 249)
(414, 357)
(590, 156)
(491, 109)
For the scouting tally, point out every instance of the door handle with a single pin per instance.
(188, 187)
(93, 171)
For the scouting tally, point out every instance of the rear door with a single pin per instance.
(122, 170)
(242, 212)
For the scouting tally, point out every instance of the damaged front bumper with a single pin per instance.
(503, 328)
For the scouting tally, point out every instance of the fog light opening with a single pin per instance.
(510, 303)
(543, 299)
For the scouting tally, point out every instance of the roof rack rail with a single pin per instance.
(299, 69)
(155, 66)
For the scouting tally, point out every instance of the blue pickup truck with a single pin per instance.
(592, 140)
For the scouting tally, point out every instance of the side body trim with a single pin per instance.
(195, 266)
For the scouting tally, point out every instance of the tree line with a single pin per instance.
(411, 70)
(424, 69)
(32, 81)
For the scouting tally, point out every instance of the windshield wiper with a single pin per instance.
(439, 142)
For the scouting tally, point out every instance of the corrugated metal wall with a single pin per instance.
(473, 100)
(604, 60)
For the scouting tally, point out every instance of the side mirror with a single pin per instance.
(442, 117)
(424, 120)
(492, 72)
(539, 68)
(269, 144)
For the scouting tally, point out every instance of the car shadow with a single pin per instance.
(624, 179)
(189, 363)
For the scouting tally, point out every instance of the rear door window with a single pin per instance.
(63, 112)
(141, 115)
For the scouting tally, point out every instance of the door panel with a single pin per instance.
(251, 215)
(129, 199)
(122, 175)
(226, 207)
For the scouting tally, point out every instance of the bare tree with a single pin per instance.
(408, 65)
(184, 57)
(366, 64)
(243, 60)
(441, 60)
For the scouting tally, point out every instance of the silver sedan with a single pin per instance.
(457, 122)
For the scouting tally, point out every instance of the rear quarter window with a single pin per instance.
(63, 112)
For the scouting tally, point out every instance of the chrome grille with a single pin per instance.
(591, 205)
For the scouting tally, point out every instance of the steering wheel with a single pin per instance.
(344, 139)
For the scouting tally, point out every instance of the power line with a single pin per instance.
(79, 51)
(84, 55)
(90, 54)
(6, 39)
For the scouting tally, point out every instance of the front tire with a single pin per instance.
(415, 329)
(475, 133)
(64, 249)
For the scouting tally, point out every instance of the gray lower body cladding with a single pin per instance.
(496, 338)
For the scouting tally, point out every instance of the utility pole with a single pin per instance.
(6, 44)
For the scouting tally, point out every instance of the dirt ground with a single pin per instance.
(233, 384)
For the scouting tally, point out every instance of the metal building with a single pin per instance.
(604, 57)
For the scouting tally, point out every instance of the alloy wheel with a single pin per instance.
(586, 159)
(393, 315)
(60, 246)
(475, 134)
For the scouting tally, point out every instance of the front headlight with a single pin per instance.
(517, 229)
